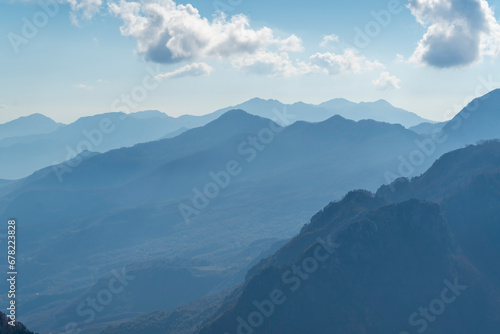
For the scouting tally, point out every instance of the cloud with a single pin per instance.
(400, 58)
(85, 9)
(291, 44)
(170, 33)
(460, 32)
(3, 106)
(193, 70)
(387, 82)
(269, 63)
(83, 86)
(328, 40)
(348, 62)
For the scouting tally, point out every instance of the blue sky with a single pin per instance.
(94, 56)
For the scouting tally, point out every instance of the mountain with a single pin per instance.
(31, 143)
(5, 328)
(28, 125)
(380, 110)
(143, 203)
(26, 154)
(479, 120)
(366, 265)
(174, 133)
(427, 128)
(466, 183)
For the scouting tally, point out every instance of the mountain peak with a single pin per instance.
(239, 116)
(33, 117)
(383, 102)
(260, 100)
(149, 114)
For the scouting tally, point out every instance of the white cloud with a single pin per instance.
(329, 40)
(193, 70)
(3, 106)
(348, 62)
(83, 86)
(291, 44)
(400, 58)
(387, 82)
(459, 32)
(168, 33)
(85, 9)
(267, 63)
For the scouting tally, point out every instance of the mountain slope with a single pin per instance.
(380, 268)
(5, 328)
(467, 185)
(479, 120)
(29, 125)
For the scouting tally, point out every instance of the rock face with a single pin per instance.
(384, 265)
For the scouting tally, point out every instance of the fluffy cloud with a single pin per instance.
(459, 32)
(168, 33)
(328, 40)
(291, 44)
(278, 65)
(348, 62)
(387, 82)
(193, 70)
(85, 9)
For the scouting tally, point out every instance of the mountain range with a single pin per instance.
(31, 143)
(219, 198)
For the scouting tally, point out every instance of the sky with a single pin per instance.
(72, 58)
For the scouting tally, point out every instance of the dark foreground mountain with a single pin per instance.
(466, 183)
(5, 328)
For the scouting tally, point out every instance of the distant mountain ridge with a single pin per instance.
(35, 141)
(381, 111)
(34, 124)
